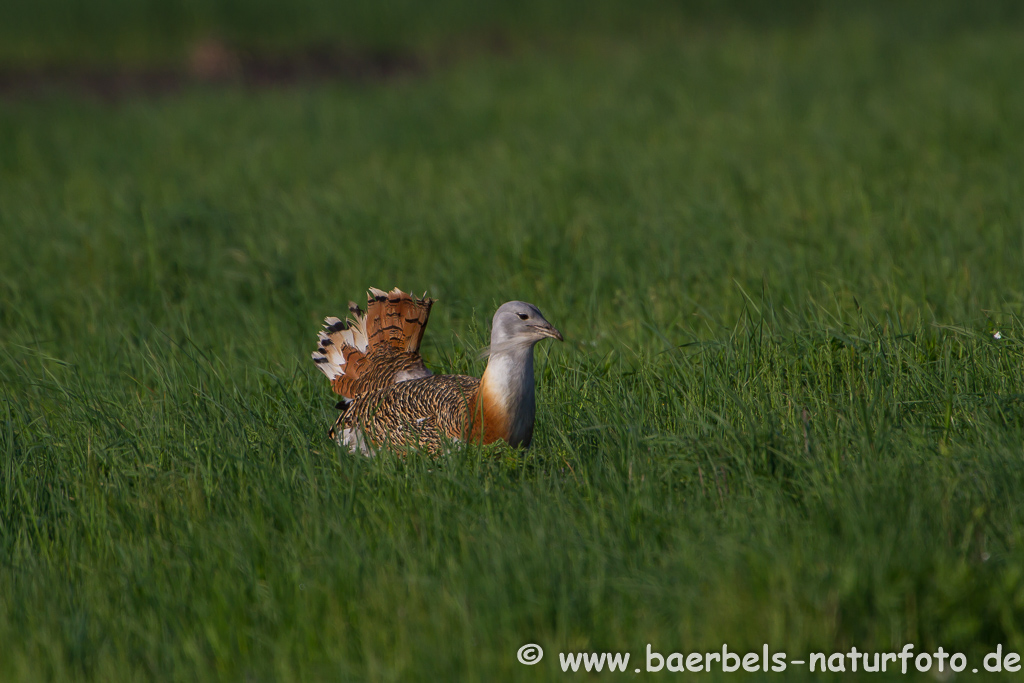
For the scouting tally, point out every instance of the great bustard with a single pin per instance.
(390, 398)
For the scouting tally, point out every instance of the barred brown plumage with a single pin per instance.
(422, 412)
(392, 400)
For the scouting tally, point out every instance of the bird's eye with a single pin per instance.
(523, 316)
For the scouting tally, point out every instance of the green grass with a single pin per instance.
(778, 256)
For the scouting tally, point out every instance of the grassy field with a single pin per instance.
(788, 261)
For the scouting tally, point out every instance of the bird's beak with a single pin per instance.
(548, 331)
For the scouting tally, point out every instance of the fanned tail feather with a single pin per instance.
(376, 348)
(396, 319)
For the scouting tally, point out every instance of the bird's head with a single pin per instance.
(518, 324)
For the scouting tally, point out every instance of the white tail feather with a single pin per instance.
(336, 335)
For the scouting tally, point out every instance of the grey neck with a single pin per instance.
(509, 376)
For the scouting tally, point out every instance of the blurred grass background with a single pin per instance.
(780, 244)
(161, 31)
